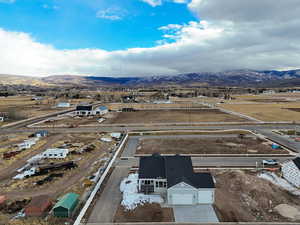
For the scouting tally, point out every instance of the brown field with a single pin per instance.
(267, 112)
(248, 198)
(173, 116)
(145, 106)
(144, 213)
(211, 145)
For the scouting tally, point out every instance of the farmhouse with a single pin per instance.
(174, 177)
(55, 153)
(89, 110)
(291, 171)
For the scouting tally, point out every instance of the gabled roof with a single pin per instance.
(67, 201)
(175, 169)
(84, 108)
(297, 162)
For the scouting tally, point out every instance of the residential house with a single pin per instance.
(291, 171)
(174, 177)
(90, 110)
(55, 153)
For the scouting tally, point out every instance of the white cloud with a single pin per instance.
(153, 3)
(113, 13)
(223, 40)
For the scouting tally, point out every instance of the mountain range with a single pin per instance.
(243, 78)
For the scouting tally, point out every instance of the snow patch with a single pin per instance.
(131, 197)
(284, 184)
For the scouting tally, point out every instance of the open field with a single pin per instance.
(173, 116)
(208, 145)
(149, 106)
(269, 112)
(144, 213)
(241, 196)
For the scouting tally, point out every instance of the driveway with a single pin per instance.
(195, 214)
(106, 206)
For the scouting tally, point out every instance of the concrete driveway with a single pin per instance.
(195, 214)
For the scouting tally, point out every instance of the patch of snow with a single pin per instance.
(131, 197)
(284, 184)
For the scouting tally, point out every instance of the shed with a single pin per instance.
(63, 105)
(41, 133)
(38, 206)
(66, 205)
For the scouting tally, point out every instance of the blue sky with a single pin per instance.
(73, 24)
(124, 38)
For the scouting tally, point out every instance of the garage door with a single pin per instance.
(205, 197)
(182, 199)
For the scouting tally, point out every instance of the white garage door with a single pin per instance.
(182, 199)
(205, 197)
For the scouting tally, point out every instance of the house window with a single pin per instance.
(148, 182)
(161, 184)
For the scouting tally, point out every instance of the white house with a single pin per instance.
(174, 178)
(63, 105)
(90, 110)
(55, 153)
(291, 171)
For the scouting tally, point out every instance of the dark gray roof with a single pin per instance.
(84, 108)
(175, 169)
(152, 167)
(297, 162)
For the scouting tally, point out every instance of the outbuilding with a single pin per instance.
(55, 153)
(38, 206)
(66, 205)
(291, 171)
(63, 105)
(41, 133)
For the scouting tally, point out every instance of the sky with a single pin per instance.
(147, 37)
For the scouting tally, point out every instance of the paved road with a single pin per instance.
(130, 147)
(106, 206)
(212, 161)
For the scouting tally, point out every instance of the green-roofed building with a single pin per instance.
(65, 206)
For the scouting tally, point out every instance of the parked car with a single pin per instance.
(271, 162)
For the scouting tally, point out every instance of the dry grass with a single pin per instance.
(119, 106)
(267, 112)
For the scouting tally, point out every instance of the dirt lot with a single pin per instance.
(173, 116)
(73, 179)
(247, 198)
(211, 145)
(144, 213)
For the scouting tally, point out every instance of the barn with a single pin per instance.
(38, 206)
(291, 171)
(174, 177)
(66, 205)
